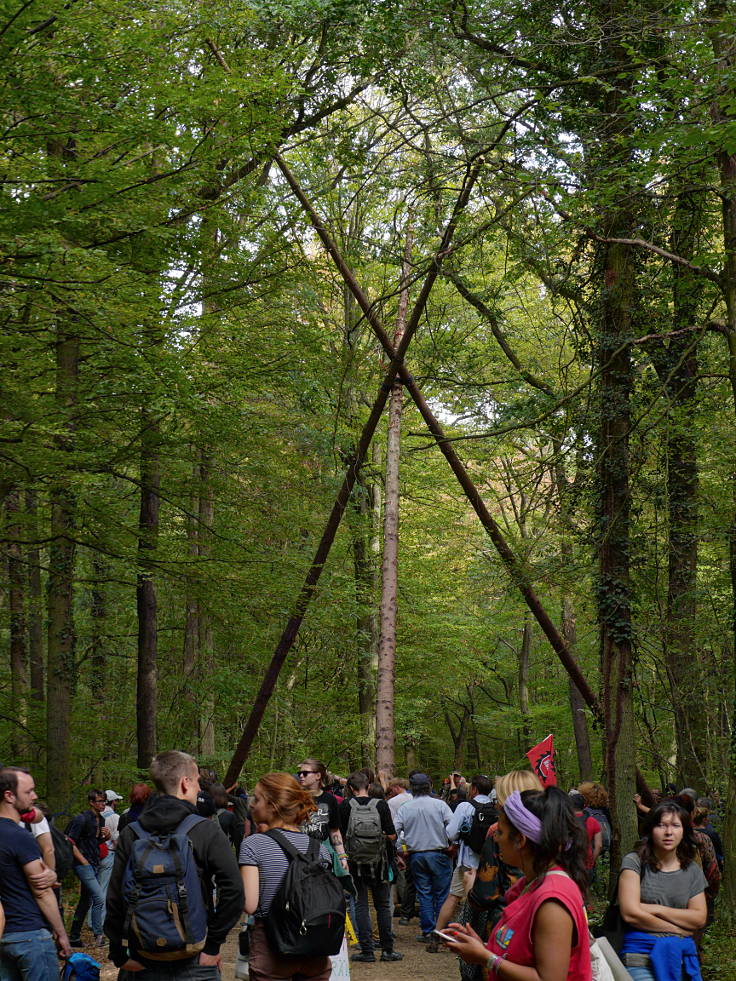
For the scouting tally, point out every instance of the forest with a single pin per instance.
(369, 386)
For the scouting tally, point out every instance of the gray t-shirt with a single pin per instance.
(674, 889)
(272, 863)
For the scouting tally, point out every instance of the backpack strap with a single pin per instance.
(185, 826)
(290, 850)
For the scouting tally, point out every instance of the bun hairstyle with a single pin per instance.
(292, 804)
(687, 850)
(516, 780)
(564, 841)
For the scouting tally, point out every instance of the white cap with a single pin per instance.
(110, 796)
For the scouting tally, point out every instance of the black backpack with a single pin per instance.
(63, 851)
(307, 915)
(601, 818)
(483, 817)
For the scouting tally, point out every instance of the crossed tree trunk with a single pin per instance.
(396, 368)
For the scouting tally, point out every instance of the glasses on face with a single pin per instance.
(305, 773)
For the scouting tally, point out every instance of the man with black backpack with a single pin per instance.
(469, 825)
(161, 918)
(366, 827)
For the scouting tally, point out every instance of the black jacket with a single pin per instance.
(215, 860)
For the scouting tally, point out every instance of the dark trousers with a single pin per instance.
(381, 893)
(407, 892)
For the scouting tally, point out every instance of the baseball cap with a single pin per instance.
(110, 796)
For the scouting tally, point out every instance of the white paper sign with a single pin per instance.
(341, 964)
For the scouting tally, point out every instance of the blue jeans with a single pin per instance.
(432, 872)
(104, 871)
(640, 973)
(28, 956)
(91, 895)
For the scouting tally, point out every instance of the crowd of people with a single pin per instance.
(498, 870)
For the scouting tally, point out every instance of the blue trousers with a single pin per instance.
(28, 956)
(91, 895)
(432, 873)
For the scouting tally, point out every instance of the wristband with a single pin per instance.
(492, 964)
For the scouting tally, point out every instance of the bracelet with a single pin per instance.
(492, 964)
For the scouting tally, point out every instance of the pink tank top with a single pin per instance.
(512, 936)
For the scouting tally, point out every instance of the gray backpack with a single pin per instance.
(364, 841)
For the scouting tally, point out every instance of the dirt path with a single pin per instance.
(417, 964)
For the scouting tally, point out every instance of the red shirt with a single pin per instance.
(512, 936)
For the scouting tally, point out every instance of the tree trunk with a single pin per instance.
(61, 663)
(365, 610)
(459, 737)
(205, 639)
(35, 607)
(569, 627)
(190, 647)
(577, 705)
(614, 590)
(19, 747)
(524, 653)
(724, 49)
(678, 369)
(385, 734)
(99, 681)
(148, 523)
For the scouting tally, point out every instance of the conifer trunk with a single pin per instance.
(385, 734)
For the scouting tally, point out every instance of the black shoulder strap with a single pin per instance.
(283, 842)
(475, 805)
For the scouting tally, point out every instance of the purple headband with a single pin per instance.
(522, 819)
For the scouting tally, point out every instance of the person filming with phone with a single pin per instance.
(542, 934)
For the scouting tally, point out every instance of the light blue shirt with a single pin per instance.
(465, 810)
(423, 821)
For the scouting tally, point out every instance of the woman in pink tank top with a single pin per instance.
(543, 932)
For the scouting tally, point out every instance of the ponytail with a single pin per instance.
(564, 840)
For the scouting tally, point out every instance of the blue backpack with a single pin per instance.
(80, 967)
(166, 917)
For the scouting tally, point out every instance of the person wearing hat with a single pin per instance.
(112, 819)
(424, 821)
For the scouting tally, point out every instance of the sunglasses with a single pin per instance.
(305, 773)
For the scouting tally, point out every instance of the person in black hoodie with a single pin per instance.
(176, 778)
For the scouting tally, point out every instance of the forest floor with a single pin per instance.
(719, 961)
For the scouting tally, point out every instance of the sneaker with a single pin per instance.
(433, 947)
(365, 957)
(391, 955)
(403, 921)
(100, 940)
(424, 938)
